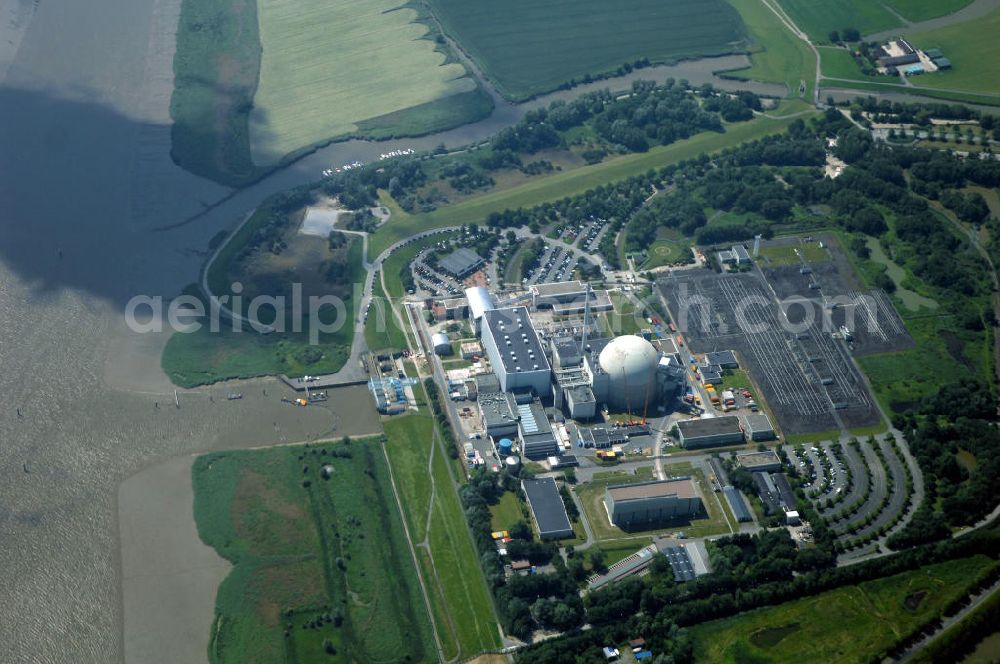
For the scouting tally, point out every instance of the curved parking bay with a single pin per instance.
(860, 486)
(898, 494)
(873, 505)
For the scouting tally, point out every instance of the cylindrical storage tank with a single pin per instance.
(441, 344)
(505, 446)
(630, 363)
(512, 462)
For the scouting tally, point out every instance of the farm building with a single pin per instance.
(710, 432)
(461, 262)
(643, 503)
(759, 461)
(547, 509)
(758, 427)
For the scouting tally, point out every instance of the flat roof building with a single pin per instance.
(461, 262)
(515, 351)
(625, 567)
(726, 359)
(709, 432)
(737, 504)
(759, 461)
(600, 301)
(758, 427)
(631, 505)
(537, 439)
(545, 295)
(547, 508)
(497, 416)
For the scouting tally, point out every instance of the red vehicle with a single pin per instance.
(672, 327)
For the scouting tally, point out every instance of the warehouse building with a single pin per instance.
(441, 343)
(547, 508)
(737, 504)
(599, 301)
(767, 461)
(724, 359)
(767, 491)
(687, 561)
(628, 566)
(515, 352)
(461, 263)
(758, 427)
(544, 296)
(710, 432)
(631, 505)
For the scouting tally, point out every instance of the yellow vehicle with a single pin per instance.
(301, 402)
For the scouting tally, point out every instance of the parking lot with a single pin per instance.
(808, 377)
(555, 264)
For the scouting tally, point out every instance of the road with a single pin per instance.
(947, 623)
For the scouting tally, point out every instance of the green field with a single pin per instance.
(506, 512)
(838, 62)
(569, 182)
(327, 562)
(850, 624)
(669, 248)
(326, 66)
(216, 66)
(203, 357)
(777, 255)
(382, 330)
(974, 52)
(923, 10)
(779, 56)
(449, 563)
(818, 19)
(532, 47)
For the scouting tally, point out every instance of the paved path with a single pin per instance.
(947, 623)
(978, 9)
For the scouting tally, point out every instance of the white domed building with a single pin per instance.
(626, 374)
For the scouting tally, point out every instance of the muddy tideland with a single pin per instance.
(86, 180)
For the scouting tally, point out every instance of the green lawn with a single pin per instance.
(776, 256)
(974, 52)
(779, 56)
(449, 562)
(326, 66)
(507, 512)
(818, 19)
(314, 559)
(532, 47)
(670, 248)
(850, 624)
(570, 182)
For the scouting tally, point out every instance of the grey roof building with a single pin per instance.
(537, 439)
(515, 351)
(758, 427)
(725, 359)
(631, 505)
(737, 504)
(461, 262)
(759, 461)
(710, 432)
(497, 415)
(547, 509)
(625, 567)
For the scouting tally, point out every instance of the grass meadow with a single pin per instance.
(924, 10)
(846, 625)
(327, 66)
(818, 19)
(216, 67)
(460, 600)
(569, 182)
(778, 56)
(973, 50)
(322, 569)
(532, 47)
(203, 357)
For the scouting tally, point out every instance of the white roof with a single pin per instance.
(480, 301)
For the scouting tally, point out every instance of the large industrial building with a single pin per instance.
(758, 427)
(628, 374)
(547, 508)
(515, 352)
(631, 505)
(479, 301)
(710, 432)
(537, 439)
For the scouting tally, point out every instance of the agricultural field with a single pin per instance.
(532, 47)
(327, 66)
(569, 182)
(818, 19)
(850, 624)
(924, 10)
(460, 601)
(838, 63)
(973, 50)
(322, 569)
(778, 56)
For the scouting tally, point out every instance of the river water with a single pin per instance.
(85, 181)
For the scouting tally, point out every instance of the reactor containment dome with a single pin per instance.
(630, 363)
